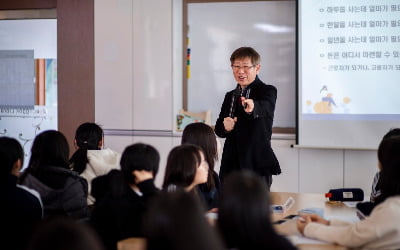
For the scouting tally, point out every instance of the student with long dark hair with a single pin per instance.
(175, 221)
(244, 214)
(62, 190)
(91, 159)
(186, 168)
(366, 207)
(203, 135)
(118, 215)
(21, 207)
(379, 230)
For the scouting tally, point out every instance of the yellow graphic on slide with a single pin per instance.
(322, 108)
(325, 106)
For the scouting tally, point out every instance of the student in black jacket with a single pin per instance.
(21, 207)
(63, 191)
(118, 214)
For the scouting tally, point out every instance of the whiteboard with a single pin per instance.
(217, 29)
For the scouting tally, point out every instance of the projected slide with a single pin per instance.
(349, 71)
(350, 57)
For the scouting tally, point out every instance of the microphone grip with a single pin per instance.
(232, 107)
(235, 95)
(247, 97)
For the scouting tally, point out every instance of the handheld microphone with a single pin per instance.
(232, 108)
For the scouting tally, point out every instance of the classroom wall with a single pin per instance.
(138, 93)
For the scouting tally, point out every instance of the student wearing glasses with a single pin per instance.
(246, 118)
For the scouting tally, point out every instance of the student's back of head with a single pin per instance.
(10, 152)
(389, 158)
(139, 156)
(49, 149)
(88, 136)
(64, 234)
(175, 221)
(244, 214)
(136, 157)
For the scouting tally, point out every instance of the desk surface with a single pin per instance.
(309, 200)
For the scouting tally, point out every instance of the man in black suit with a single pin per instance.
(246, 118)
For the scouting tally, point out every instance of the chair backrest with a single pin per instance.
(133, 243)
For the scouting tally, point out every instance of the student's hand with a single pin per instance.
(248, 104)
(142, 175)
(302, 222)
(316, 218)
(229, 123)
(213, 210)
(212, 216)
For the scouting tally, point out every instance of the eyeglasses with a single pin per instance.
(245, 68)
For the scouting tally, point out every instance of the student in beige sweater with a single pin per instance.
(380, 230)
(91, 159)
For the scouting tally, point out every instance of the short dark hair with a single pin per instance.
(10, 151)
(246, 52)
(182, 163)
(139, 156)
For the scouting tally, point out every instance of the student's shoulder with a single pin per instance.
(29, 197)
(392, 203)
(388, 210)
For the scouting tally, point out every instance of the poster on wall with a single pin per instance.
(24, 122)
(28, 96)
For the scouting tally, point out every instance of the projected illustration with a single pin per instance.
(327, 104)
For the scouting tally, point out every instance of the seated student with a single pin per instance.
(186, 168)
(90, 159)
(176, 221)
(62, 190)
(203, 135)
(366, 207)
(21, 207)
(380, 230)
(244, 214)
(102, 184)
(118, 215)
(64, 233)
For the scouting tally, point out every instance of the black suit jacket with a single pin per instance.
(248, 145)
